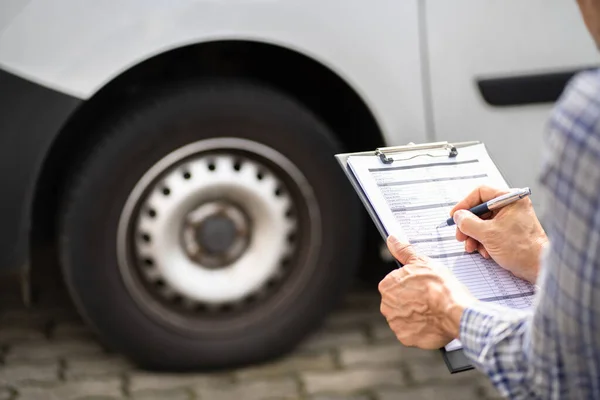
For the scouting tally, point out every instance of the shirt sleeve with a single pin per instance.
(553, 351)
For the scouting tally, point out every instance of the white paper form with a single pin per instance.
(416, 192)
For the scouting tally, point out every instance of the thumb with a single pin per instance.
(471, 225)
(403, 252)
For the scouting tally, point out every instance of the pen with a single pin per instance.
(493, 204)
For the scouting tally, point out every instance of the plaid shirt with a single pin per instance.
(553, 351)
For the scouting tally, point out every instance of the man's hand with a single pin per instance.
(422, 302)
(512, 235)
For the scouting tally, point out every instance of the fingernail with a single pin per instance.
(458, 216)
(392, 239)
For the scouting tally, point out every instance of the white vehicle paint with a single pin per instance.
(379, 48)
(77, 47)
(470, 39)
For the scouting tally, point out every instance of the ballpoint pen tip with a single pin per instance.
(443, 224)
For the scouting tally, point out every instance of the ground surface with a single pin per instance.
(48, 353)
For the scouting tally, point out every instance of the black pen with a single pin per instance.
(493, 204)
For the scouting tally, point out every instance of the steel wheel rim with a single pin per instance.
(182, 297)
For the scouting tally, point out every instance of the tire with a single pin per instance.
(373, 268)
(237, 170)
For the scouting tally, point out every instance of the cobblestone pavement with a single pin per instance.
(47, 353)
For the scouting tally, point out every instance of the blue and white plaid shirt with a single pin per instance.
(553, 351)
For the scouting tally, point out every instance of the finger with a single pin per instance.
(401, 251)
(476, 197)
(471, 245)
(385, 310)
(391, 280)
(461, 237)
(471, 225)
(484, 253)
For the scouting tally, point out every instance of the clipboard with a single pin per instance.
(455, 360)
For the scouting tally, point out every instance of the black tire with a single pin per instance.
(373, 267)
(132, 142)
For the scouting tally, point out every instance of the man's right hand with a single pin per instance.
(512, 236)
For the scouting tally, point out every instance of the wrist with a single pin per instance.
(453, 315)
(539, 244)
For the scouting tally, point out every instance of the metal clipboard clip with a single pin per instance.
(437, 149)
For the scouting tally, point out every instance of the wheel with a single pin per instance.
(211, 227)
(374, 267)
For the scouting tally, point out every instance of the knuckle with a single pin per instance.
(421, 259)
(402, 248)
(383, 309)
(527, 203)
(400, 273)
(492, 235)
(385, 283)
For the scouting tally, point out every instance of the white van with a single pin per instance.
(179, 154)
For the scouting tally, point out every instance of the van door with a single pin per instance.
(495, 67)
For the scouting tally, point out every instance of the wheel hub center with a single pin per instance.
(215, 234)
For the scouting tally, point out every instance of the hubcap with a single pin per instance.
(213, 227)
(215, 234)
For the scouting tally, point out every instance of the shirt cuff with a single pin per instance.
(482, 326)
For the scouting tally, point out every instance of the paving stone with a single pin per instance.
(381, 332)
(74, 390)
(329, 339)
(301, 362)
(144, 382)
(163, 395)
(373, 363)
(100, 398)
(341, 397)
(10, 334)
(45, 350)
(349, 381)
(28, 373)
(421, 372)
(488, 390)
(96, 367)
(386, 354)
(6, 394)
(258, 390)
(353, 318)
(429, 393)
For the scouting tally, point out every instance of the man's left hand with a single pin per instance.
(422, 301)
